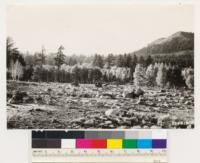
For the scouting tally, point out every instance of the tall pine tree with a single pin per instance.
(60, 57)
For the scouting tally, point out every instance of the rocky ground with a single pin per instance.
(61, 105)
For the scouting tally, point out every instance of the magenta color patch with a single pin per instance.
(83, 143)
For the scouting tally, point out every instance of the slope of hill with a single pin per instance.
(179, 41)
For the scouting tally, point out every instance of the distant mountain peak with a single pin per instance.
(178, 33)
(182, 34)
(176, 42)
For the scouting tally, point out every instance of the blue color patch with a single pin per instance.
(144, 143)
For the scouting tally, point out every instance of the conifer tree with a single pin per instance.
(60, 57)
(98, 61)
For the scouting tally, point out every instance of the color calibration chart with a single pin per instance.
(77, 146)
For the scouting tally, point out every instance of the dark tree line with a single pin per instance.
(13, 53)
(58, 67)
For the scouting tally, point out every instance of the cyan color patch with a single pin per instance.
(144, 143)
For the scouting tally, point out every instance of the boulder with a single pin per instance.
(39, 110)
(134, 94)
(28, 99)
(48, 100)
(38, 99)
(75, 83)
(111, 112)
(188, 103)
(107, 95)
(134, 121)
(154, 120)
(108, 122)
(89, 123)
(54, 121)
(145, 127)
(105, 84)
(122, 127)
(85, 95)
(18, 97)
(162, 91)
(136, 127)
(49, 90)
(130, 113)
(141, 101)
(155, 127)
(130, 95)
(98, 84)
(139, 92)
(78, 121)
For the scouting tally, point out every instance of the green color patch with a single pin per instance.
(129, 143)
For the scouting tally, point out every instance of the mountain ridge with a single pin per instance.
(179, 41)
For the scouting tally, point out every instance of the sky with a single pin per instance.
(89, 29)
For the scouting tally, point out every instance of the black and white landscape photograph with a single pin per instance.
(100, 66)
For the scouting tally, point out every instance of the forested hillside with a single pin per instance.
(179, 41)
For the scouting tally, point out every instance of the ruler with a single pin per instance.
(99, 156)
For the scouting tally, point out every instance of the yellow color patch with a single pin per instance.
(114, 143)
